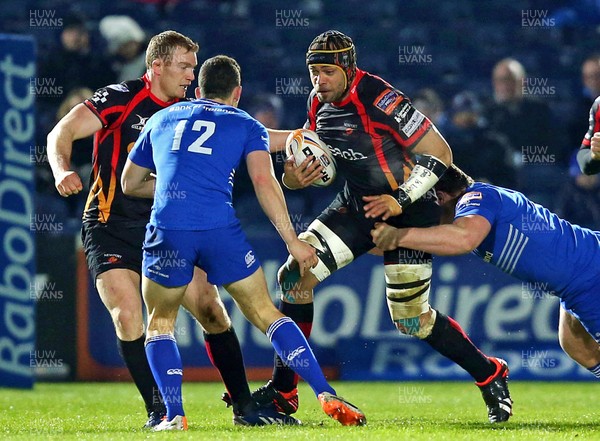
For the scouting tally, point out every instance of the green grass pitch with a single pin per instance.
(395, 411)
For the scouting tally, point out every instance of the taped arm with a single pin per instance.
(435, 158)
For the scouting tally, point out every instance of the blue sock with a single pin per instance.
(165, 362)
(291, 345)
(595, 370)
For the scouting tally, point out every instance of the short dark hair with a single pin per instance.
(454, 180)
(218, 77)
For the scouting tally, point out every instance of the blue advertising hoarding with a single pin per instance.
(354, 337)
(17, 261)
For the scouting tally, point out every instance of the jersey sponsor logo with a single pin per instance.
(156, 270)
(470, 197)
(348, 154)
(402, 112)
(487, 258)
(179, 107)
(141, 123)
(349, 128)
(250, 259)
(118, 87)
(112, 258)
(387, 101)
(174, 372)
(413, 124)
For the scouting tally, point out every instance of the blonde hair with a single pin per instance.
(163, 46)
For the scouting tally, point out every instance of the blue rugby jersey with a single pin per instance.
(531, 243)
(195, 148)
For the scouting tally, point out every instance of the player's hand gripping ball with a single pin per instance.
(302, 143)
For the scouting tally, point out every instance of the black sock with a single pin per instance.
(134, 355)
(284, 378)
(225, 354)
(449, 339)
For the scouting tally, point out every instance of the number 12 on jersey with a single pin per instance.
(196, 146)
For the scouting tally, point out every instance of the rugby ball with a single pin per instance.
(302, 143)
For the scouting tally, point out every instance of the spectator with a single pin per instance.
(126, 44)
(528, 125)
(268, 110)
(429, 103)
(479, 151)
(75, 64)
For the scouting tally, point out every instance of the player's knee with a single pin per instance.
(214, 318)
(288, 276)
(407, 292)
(419, 327)
(128, 323)
(332, 254)
(294, 288)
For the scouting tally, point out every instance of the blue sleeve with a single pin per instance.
(258, 138)
(141, 153)
(480, 201)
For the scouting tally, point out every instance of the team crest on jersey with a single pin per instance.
(140, 125)
(387, 101)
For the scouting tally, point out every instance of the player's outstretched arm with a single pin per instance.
(461, 237)
(137, 181)
(277, 139)
(79, 123)
(270, 197)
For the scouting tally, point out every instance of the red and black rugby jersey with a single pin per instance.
(123, 110)
(370, 133)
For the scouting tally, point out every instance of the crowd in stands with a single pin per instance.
(510, 94)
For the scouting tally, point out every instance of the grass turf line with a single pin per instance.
(415, 411)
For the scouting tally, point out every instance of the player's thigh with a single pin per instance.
(576, 341)
(109, 247)
(225, 255)
(584, 307)
(252, 297)
(340, 234)
(119, 288)
(169, 256)
(202, 300)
